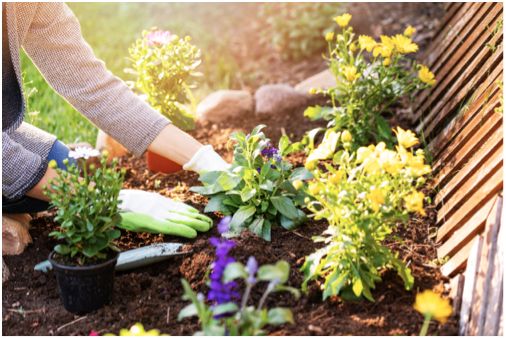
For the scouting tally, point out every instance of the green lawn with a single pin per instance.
(110, 28)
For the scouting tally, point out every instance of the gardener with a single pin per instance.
(51, 36)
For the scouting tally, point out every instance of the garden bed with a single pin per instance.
(152, 295)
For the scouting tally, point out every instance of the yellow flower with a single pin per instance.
(310, 165)
(353, 47)
(366, 42)
(426, 75)
(297, 184)
(336, 178)
(313, 91)
(314, 189)
(105, 153)
(390, 162)
(409, 31)
(385, 48)
(406, 138)
(404, 45)
(377, 198)
(429, 303)
(414, 202)
(371, 165)
(350, 73)
(52, 164)
(343, 20)
(346, 136)
(329, 36)
(363, 153)
(386, 62)
(137, 330)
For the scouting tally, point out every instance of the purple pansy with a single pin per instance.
(223, 226)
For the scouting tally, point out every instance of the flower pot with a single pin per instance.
(161, 164)
(85, 288)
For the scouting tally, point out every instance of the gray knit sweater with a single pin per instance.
(51, 36)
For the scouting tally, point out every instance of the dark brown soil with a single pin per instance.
(152, 295)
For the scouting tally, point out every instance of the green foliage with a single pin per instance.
(371, 77)
(258, 189)
(363, 196)
(87, 209)
(242, 320)
(295, 30)
(165, 66)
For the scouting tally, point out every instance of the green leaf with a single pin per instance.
(300, 173)
(257, 226)
(285, 206)
(266, 230)
(294, 291)
(233, 271)
(318, 112)
(358, 287)
(241, 216)
(225, 308)
(189, 310)
(279, 315)
(216, 204)
(278, 271)
(209, 177)
(384, 130)
(62, 249)
(228, 181)
(247, 193)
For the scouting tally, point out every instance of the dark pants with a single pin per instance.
(25, 204)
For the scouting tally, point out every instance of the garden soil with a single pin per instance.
(153, 295)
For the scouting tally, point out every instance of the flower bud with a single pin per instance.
(329, 36)
(346, 136)
(314, 189)
(52, 164)
(297, 184)
(105, 153)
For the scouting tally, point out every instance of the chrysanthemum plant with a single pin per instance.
(260, 189)
(364, 195)
(227, 311)
(86, 201)
(371, 77)
(165, 65)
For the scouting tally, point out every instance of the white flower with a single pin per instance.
(83, 152)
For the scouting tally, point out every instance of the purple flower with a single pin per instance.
(158, 38)
(252, 268)
(223, 226)
(270, 151)
(220, 292)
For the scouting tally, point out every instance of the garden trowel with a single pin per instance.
(135, 258)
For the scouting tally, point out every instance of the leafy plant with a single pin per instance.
(295, 30)
(371, 76)
(165, 65)
(363, 196)
(87, 207)
(225, 315)
(260, 189)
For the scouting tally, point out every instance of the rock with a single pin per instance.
(15, 235)
(5, 272)
(106, 142)
(322, 80)
(277, 99)
(225, 104)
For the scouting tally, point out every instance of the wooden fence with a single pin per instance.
(461, 121)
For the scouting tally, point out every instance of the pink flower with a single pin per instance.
(157, 38)
(93, 333)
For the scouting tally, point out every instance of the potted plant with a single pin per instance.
(164, 65)
(86, 199)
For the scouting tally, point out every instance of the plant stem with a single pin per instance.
(425, 326)
(245, 297)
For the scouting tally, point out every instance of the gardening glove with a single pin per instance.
(206, 159)
(154, 213)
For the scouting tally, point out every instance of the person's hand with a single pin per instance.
(154, 213)
(206, 159)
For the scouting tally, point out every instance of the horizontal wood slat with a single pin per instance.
(458, 261)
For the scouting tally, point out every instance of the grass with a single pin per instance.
(110, 29)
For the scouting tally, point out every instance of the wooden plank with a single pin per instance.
(489, 134)
(463, 78)
(456, 290)
(469, 284)
(469, 186)
(482, 158)
(495, 298)
(459, 123)
(461, 57)
(483, 276)
(457, 262)
(474, 226)
(492, 186)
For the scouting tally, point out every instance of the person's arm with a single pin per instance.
(23, 172)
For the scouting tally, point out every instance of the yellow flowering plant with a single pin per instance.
(137, 330)
(432, 306)
(371, 77)
(364, 195)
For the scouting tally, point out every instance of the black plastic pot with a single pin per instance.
(85, 288)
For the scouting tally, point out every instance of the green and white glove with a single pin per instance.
(143, 211)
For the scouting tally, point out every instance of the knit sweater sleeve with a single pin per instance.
(22, 169)
(55, 44)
